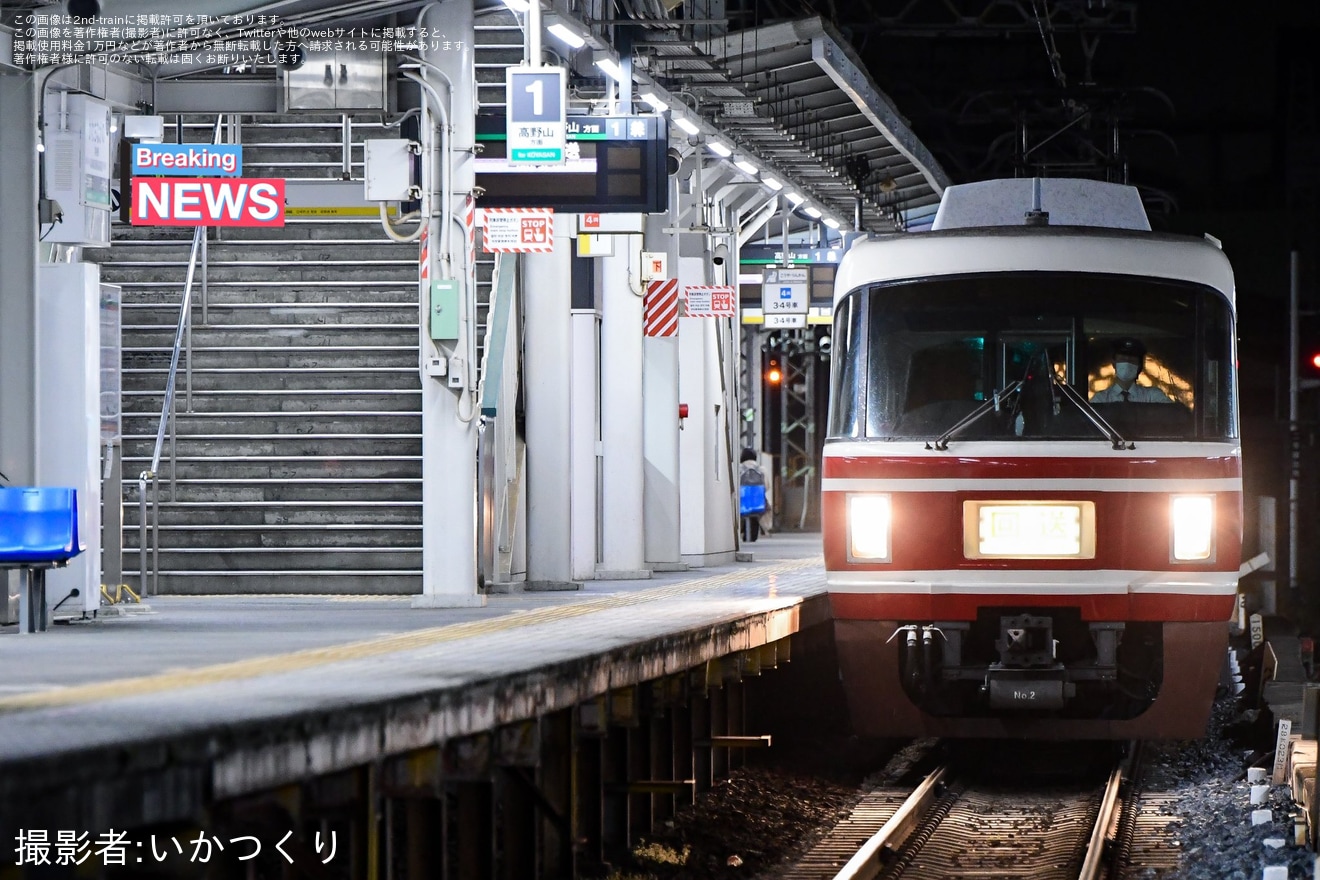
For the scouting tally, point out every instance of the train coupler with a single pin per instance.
(1028, 689)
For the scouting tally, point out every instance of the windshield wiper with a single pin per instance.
(998, 398)
(1110, 432)
(992, 403)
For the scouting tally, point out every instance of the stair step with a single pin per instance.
(362, 516)
(277, 403)
(280, 335)
(280, 423)
(347, 583)
(266, 357)
(290, 469)
(317, 513)
(313, 491)
(215, 380)
(328, 559)
(263, 443)
(263, 537)
(289, 314)
(278, 283)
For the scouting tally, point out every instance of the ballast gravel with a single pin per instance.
(1213, 810)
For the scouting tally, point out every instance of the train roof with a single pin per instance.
(1065, 201)
(979, 250)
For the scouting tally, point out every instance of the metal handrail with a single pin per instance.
(167, 409)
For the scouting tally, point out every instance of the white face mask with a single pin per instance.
(1126, 372)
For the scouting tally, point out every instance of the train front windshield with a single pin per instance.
(913, 359)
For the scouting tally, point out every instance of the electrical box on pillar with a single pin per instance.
(444, 316)
(76, 165)
(387, 170)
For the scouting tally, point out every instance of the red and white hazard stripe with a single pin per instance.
(424, 256)
(660, 307)
(470, 224)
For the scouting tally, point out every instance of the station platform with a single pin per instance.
(149, 716)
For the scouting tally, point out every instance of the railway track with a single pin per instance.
(974, 816)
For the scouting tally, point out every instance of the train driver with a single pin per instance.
(1129, 361)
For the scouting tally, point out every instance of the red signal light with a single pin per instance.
(1315, 360)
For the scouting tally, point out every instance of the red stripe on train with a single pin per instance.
(956, 606)
(968, 467)
(1132, 531)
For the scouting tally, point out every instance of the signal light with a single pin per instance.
(773, 374)
(1315, 360)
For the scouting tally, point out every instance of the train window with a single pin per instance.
(935, 350)
(846, 366)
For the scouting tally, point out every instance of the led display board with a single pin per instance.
(612, 164)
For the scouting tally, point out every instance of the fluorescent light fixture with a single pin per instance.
(657, 105)
(719, 149)
(831, 223)
(518, 5)
(610, 65)
(794, 198)
(746, 167)
(686, 124)
(772, 183)
(811, 212)
(567, 35)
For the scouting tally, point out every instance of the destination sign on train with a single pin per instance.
(192, 160)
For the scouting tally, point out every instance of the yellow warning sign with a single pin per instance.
(342, 211)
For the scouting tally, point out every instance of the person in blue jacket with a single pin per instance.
(751, 494)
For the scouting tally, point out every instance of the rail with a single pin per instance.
(869, 859)
(1093, 866)
(150, 476)
(914, 841)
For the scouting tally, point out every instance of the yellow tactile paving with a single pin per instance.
(312, 657)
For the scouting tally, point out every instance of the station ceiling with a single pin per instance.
(791, 96)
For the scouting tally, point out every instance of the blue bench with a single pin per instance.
(38, 531)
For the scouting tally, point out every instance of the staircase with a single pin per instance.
(297, 463)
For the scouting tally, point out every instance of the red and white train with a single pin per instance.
(1021, 539)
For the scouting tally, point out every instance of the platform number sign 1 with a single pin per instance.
(536, 120)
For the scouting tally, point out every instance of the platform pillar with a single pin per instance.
(424, 833)
(706, 473)
(475, 840)
(548, 358)
(18, 256)
(660, 423)
(700, 731)
(623, 547)
(556, 780)
(449, 402)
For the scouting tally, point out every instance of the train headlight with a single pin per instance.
(1193, 518)
(869, 525)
